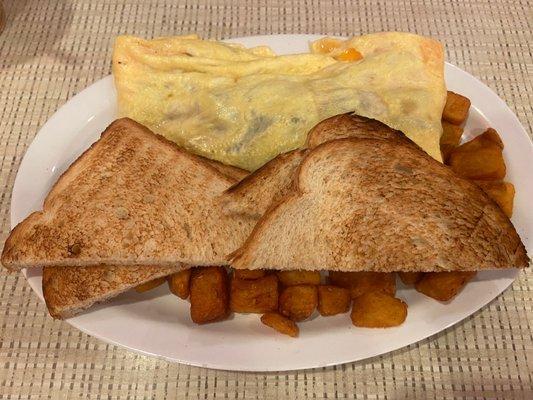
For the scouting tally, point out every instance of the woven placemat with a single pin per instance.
(50, 50)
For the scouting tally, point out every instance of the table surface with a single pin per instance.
(50, 50)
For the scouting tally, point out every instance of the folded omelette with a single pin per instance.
(245, 106)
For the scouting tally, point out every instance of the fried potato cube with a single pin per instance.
(443, 286)
(456, 108)
(333, 300)
(293, 278)
(249, 273)
(209, 294)
(254, 295)
(410, 278)
(450, 139)
(492, 135)
(146, 286)
(481, 158)
(501, 192)
(280, 323)
(178, 283)
(364, 282)
(378, 310)
(298, 302)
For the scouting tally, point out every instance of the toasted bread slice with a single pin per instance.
(69, 291)
(131, 199)
(252, 196)
(375, 205)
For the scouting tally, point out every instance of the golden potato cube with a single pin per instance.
(298, 302)
(456, 108)
(410, 278)
(280, 323)
(333, 300)
(293, 278)
(249, 273)
(146, 286)
(501, 192)
(178, 283)
(364, 282)
(450, 139)
(254, 295)
(209, 294)
(378, 310)
(443, 286)
(481, 158)
(492, 135)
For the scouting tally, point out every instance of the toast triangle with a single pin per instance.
(375, 205)
(133, 198)
(69, 291)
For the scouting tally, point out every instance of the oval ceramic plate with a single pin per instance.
(157, 323)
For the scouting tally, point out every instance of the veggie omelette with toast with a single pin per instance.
(276, 185)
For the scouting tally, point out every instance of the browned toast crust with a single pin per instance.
(351, 125)
(229, 171)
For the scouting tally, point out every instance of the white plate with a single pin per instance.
(157, 323)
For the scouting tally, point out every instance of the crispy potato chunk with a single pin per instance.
(456, 108)
(410, 278)
(249, 273)
(443, 286)
(333, 300)
(501, 192)
(293, 278)
(280, 323)
(178, 283)
(209, 294)
(492, 135)
(146, 286)
(254, 295)
(450, 139)
(364, 282)
(298, 302)
(481, 158)
(378, 310)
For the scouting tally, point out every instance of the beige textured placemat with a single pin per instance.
(50, 50)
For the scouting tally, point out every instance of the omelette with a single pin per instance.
(245, 106)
